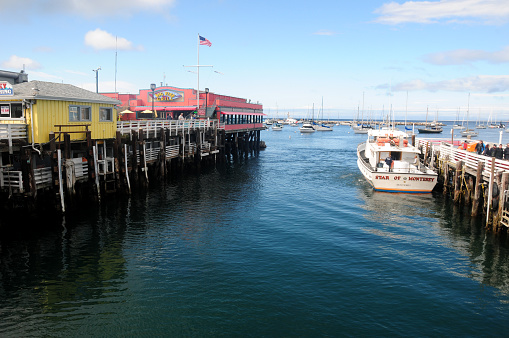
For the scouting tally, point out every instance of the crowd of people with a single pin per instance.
(498, 152)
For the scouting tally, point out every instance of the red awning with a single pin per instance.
(241, 113)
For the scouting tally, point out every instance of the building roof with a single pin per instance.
(42, 90)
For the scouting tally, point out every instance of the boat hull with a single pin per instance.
(429, 131)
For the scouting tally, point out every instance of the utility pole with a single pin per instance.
(96, 79)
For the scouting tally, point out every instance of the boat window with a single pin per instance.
(396, 155)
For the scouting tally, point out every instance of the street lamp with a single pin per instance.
(206, 100)
(153, 87)
(96, 79)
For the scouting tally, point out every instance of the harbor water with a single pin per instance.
(292, 242)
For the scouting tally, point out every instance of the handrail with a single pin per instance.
(153, 127)
(471, 159)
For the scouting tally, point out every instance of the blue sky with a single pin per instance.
(442, 56)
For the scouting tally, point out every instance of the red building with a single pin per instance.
(170, 102)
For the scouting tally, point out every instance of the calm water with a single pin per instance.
(290, 243)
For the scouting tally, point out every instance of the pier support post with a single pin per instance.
(445, 168)
(457, 181)
(478, 188)
(501, 198)
(490, 191)
(134, 157)
(162, 153)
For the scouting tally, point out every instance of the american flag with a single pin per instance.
(204, 41)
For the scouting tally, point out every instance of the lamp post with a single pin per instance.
(206, 100)
(153, 87)
(96, 79)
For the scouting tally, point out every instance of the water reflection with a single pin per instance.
(415, 219)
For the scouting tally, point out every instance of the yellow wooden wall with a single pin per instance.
(48, 113)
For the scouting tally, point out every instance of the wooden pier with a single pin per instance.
(478, 181)
(63, 171)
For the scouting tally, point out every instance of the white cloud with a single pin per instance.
(17, 63)
(490, 11)
(88, 8)
(463, 56)
(324, 32)
(102, 40)
(34, 75)
(479, 84)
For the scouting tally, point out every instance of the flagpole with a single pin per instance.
(198, 72)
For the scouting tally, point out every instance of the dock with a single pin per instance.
(62, 171)
(474, 180)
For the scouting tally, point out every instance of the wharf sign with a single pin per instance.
(6, 89)
(165, 95)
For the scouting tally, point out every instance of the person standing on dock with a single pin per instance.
(506, 152)
(181, 116)
(497, 152)
(479, 147)
(487, 150)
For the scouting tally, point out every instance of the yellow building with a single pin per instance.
(47, 107)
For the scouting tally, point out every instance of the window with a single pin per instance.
(105, 114)
(11, 110)
(80, 113)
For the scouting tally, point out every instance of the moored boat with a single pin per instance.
(431, 129)
(307, 128)
(323, 127)
(406, 174)
(277, 126)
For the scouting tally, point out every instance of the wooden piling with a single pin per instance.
(478, 188)
(457, 181)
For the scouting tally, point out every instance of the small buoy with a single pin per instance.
(290, 137)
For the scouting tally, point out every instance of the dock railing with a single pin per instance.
(13, 131)
(152, 127)
(453, 153)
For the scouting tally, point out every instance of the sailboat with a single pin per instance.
(309, 127)
(361, 128)
(468, 132)
(322, 126)
(479, 124)
(408, 130)
(431, 128)
(456, 124)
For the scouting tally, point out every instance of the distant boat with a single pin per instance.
(307, 128)
(322, 127)
(361, 129)
(430, 129)
(468, 132)
(277, 126)
(479, 124)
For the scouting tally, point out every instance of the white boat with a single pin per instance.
(403, 176)
(323, 127)
(361, 129)
(468, 132)
(307, 128)
(276, 126)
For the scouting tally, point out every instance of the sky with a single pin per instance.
(447, 58)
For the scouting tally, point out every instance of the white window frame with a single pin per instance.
(5, 117)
